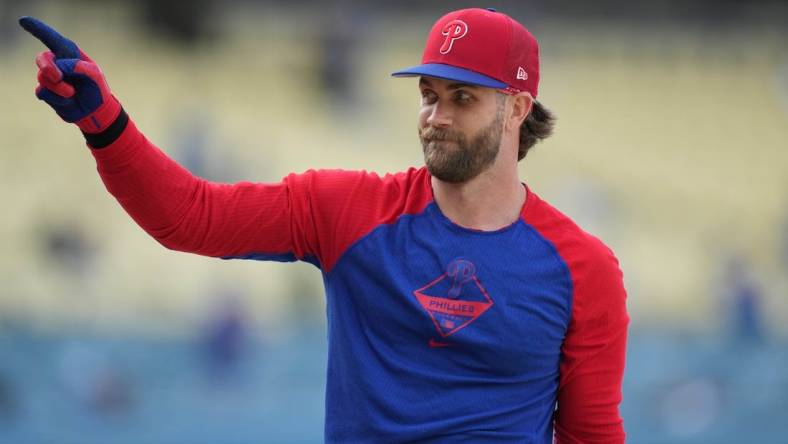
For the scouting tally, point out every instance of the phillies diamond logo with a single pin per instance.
(455, 299)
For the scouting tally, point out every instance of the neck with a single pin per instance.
(488, 202)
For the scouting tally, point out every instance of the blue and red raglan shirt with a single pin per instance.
(437, 333)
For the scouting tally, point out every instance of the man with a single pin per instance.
(461, 307)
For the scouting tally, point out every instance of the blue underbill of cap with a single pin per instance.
(449, 72)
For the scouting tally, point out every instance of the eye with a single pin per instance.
(462, 97)
(428, 96)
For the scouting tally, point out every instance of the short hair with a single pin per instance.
(537, 126)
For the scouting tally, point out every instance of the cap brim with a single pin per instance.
(449, 72)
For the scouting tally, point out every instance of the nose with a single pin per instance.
(439, 115)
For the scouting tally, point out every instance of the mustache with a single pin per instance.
(431, 133)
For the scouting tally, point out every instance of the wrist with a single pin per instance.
(110, 133)
(100, 119)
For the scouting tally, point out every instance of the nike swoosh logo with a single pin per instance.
(435, 344)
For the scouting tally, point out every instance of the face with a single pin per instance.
(460, 128)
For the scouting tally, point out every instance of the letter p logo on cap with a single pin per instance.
(453, 30)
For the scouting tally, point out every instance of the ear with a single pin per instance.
(522, 103)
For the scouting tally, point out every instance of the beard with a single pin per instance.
(451, 157)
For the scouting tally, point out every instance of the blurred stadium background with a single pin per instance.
(671, 145)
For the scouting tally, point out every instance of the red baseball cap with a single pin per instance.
(480, 47)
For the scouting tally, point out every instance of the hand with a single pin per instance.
(70, 82)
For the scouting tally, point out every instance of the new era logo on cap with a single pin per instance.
(480, 47)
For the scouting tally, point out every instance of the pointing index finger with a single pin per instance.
(57, 43)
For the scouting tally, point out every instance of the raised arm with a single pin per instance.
(181, 211)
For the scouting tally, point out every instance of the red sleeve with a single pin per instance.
(186, 213)
(594, 348)
(593, 354)
(312, 216)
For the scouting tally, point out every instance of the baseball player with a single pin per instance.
(461, 306)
